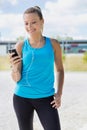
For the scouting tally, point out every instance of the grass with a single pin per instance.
(4, 63)
(71, 63)
(75, 63)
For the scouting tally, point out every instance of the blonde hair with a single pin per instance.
(35, 9)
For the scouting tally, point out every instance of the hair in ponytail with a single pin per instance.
(35, 9)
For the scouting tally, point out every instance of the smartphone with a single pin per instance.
(13, 51)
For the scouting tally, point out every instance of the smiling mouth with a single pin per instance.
(31, 31)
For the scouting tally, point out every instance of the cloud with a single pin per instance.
(61, 17)
(12, 2)
(67, 6)
(2, 1)
(66, 17)
(8, 20)
(8, 5)
(11, 25)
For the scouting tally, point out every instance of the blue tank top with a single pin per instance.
(37, 76)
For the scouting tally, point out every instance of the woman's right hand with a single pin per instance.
(14, 61)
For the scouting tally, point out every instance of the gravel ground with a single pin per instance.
(73, 111)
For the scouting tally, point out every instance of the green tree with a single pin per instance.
(60, 38)
(20, 38)
(85, 57)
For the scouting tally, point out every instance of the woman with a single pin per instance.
(33, 72)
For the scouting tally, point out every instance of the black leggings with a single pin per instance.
(25, 107)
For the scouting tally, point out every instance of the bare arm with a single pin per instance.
(16, 63)
(59, 68)
(60, 73)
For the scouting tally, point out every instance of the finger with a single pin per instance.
(10, 55)
(55, 100)
(16, 58)
(58, 100)
(54, 105)
(52, 102)
(16, 61)
(57, 106)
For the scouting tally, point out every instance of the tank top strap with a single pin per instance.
(49, 43)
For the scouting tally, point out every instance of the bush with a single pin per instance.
(63, 56)
(85, 57)
(4, 63)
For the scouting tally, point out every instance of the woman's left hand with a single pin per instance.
(56, 103)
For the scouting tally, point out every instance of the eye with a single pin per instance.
(26, 23)
(31, 23)
(34, 22)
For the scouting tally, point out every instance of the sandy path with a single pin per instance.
(73, 112)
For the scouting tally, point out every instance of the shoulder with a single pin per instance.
(55, 43)
(18, 46)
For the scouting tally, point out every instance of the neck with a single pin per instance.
(36, 39)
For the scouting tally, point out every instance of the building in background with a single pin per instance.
(68, 46)
(74, 46)
(5, 46)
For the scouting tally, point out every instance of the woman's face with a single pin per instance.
(33, 23)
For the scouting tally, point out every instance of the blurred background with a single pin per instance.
(65, 20)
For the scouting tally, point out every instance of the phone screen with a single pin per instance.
(13, 51)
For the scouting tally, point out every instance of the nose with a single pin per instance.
(29, 25)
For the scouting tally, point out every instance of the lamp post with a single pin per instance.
(65, 43)
(0, 36)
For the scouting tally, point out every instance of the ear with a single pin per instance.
(42, 21)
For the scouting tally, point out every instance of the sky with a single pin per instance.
(62, 18)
